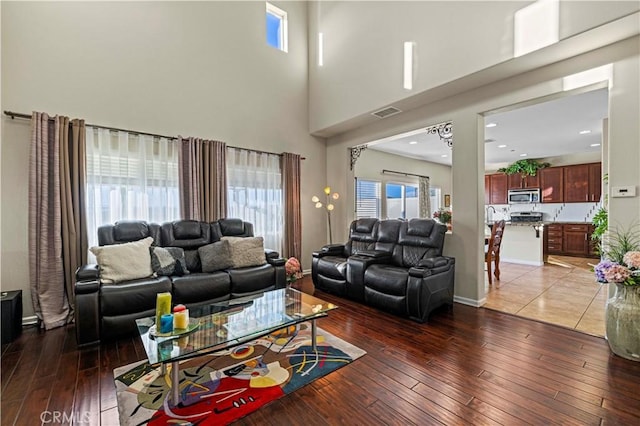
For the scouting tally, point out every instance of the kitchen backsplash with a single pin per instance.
(551, 212)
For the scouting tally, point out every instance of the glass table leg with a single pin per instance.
(313, 335)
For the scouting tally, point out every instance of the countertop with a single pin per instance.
(544, 222)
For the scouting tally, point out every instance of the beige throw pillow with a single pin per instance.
(246, 251)
(123, 262)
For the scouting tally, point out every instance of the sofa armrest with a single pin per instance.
(374, 254)
(433, 262)
(87, 287)
(89, 271)
(330, 250)
(276, 261)
(271, 254)
(87, 311)
(430, 288)
(432, 266)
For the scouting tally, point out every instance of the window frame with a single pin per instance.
(283, 36)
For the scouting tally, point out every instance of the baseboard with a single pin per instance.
(470, 302)
(306, 272)
(29, 320)
(522, 262)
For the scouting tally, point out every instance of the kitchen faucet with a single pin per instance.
(488, 217)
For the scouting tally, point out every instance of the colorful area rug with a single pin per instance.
(220, 389)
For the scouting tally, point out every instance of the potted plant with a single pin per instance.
(443, 216)
(526, 167)
(621, 265)
(600, 223)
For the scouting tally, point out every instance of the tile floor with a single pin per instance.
(562, 292)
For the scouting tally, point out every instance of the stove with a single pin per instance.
(526, 217)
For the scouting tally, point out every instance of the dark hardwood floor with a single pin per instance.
(467, 366)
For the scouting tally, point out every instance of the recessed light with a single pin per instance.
(491, 125)
(595, 144)
(413, 142)
(523, 155)
(502, 146)
(585, 132)
(444, 156)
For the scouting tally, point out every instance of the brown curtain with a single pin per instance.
(203, 179)
(56, 201)
(292, 215)
(73, 202)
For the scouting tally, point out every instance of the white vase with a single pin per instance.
(623, 322)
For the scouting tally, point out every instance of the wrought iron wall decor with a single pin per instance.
(354, 153)
(444, 131)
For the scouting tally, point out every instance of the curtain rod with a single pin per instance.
(28, 116)
(403, 173)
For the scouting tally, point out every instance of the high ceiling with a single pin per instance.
(542, 130)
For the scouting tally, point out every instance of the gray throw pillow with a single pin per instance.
(168, 261)
(216, 256)
(193, 260)
(246, 251)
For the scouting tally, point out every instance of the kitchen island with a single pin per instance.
(522, 242)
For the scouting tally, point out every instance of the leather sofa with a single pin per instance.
(394, 265)
(105, 311)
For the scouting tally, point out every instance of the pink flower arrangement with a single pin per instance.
(632, 259)
(627, 272)
(293, 269)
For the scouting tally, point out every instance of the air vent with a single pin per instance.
(386, 112)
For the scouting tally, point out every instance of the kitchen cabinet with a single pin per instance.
(517, 181)
(582, 183)
(569, 239)
(498, 188)
(575, 239)
(551, 184)
(487, 190)
(595, 182)
(553, 240)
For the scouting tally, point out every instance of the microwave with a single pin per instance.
(523, 196)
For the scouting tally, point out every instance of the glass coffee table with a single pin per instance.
(227, 324)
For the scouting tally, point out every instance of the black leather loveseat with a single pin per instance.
(394, 265)
(108, 310)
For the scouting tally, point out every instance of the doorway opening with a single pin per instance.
(547, 250)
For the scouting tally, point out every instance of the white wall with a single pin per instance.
(190, 68)
(363, 48)
(468, 150)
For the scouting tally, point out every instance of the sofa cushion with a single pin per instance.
(332, 267)
(246, 251)
(132, 296)
(387, 279)
(216, 256)
(168, 261)
(200, 287)
(123, 262)
(251, 280)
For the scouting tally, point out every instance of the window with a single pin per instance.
(277, 33)
(254, 193)
(434, 194)
(367, 198)
(130, 176)
(402, 201)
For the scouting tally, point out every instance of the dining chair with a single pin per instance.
(492, 249)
